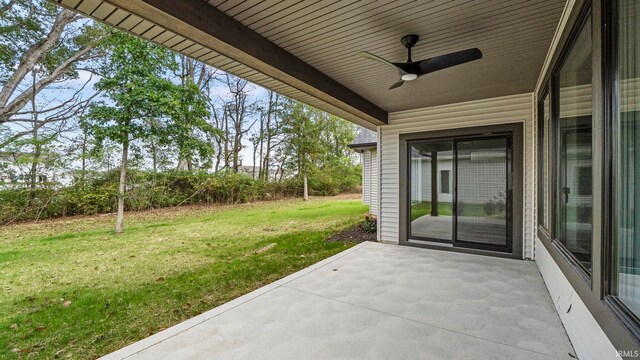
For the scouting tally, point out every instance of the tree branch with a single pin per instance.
(21, 100)
(34, 54)
(4, 8)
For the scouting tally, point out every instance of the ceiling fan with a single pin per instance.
(412, 70)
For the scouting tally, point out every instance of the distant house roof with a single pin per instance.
(365, 140)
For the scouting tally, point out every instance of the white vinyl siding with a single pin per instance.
(502, 110)
(370, 180)
(587, 337)
(373, 201)
(366, 177)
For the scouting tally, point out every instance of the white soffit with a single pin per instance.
(514, 36)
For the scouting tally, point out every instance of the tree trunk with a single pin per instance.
(253, 169)
(34, 165)
(122, 186)
(306, 188)
(83, 176)
(182, 165)
(226, 140)
(36, 144)
(260, 155)
(154, 156)
(218, 157)
(237, 147)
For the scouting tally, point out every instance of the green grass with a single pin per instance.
(168, 266)
(445, 208)
(423, 208)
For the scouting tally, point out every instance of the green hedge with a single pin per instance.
(146, 190)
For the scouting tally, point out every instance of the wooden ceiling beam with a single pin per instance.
(204, 24)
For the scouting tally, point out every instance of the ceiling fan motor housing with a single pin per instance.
(409, 40)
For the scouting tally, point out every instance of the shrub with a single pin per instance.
(370, 223)
(148, 190)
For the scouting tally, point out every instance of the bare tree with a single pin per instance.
(271, 133)
(236, 120)
(200, 74)
(217, 139)
(257, 141)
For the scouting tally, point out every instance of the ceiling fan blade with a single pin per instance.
(397, 84)
(445, 61)
(406, 68)
(370, 56)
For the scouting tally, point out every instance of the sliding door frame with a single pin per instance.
(507, 247)
(452, 189)
(515, 130)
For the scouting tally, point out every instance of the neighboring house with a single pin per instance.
(12, 172)
(365, 143)
(548, 122)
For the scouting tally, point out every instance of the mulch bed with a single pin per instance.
(354, 234)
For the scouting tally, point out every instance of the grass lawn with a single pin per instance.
(72, 287)
(446, 208)
(424, 207)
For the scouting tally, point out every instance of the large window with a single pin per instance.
(573, 150)
(568, 143)
(626, 264)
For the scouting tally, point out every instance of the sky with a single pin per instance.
(59, 93)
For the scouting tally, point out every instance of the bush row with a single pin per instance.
(146, 190)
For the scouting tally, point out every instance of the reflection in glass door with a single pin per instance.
(482, 198)
(459, 191)
(574, 197)
(431, 174)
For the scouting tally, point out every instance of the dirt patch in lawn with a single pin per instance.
(353, 234)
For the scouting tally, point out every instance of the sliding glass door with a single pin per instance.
(459, 191)
(482, 198)
(431, 191)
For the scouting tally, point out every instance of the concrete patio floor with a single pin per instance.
(378, 301)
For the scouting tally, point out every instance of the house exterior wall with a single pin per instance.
(468, 173)
(373, 183)
(421, 180)
(495, 111)
(594, 330)
(370, 180)
(587, 338)
(366, 177)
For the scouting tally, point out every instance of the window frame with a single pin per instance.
(610, 143)
(554, 102)
(442, 182)
(543, 197)
(610, 316)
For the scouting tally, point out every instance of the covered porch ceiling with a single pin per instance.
(307, 49)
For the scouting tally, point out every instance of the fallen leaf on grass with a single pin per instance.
(66, 303)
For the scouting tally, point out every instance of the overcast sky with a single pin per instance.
(57, 94)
